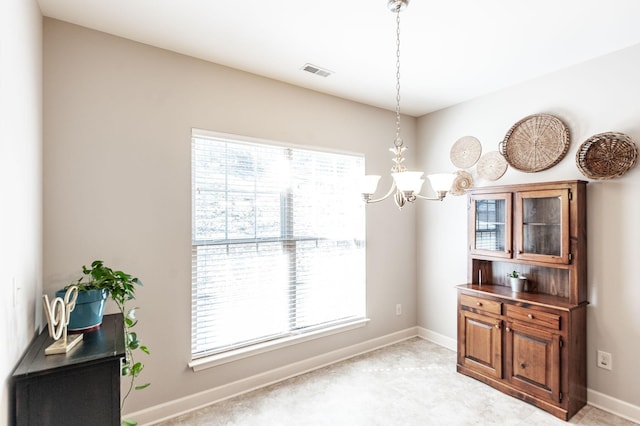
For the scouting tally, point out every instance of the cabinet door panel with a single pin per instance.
(533, 361)
(480, 347)
(542, 226)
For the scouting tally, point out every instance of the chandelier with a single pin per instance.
(406, 185)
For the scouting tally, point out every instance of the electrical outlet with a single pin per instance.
(604, 360)
(398, 309)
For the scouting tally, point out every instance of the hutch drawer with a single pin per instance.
(481, 304)
(535, 317)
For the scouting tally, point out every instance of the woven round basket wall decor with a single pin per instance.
(465, 152)
(535, 143)
(491, 166)
(607, 155)
(461, 183)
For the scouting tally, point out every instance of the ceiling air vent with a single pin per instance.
(316, 70)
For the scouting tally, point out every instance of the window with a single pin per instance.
(490, 224)
(277, 241)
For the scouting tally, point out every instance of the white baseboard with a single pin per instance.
(189, 403)
(438, 339)
(614, 406)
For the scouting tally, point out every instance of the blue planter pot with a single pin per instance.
(88, 311)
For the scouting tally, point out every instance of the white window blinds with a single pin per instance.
(277, 242)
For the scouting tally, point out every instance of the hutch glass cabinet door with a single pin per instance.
(542, 226)
(490, 224)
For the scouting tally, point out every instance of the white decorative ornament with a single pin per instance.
(461, 183)
(58, 313)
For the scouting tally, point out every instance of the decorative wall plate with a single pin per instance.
(606, 155)
(491, 166)
(465, 152)
(461, 183)
(535, 143)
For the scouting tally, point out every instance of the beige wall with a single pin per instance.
(118, 117)
(20, 183)
(598, 96)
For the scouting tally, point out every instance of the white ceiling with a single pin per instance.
(451, 50)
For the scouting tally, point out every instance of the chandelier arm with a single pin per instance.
(439, 197)
(387, 195)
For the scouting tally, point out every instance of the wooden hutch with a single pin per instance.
(530, 344)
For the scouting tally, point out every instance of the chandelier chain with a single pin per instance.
(398, 140)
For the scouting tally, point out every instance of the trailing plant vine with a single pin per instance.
(122, 289)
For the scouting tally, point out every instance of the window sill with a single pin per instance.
(237, 354)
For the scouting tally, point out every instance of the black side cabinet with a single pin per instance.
(81, 387)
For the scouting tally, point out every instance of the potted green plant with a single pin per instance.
(89, 308)
(517, 281)
(121, 287)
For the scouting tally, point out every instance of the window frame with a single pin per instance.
(213, 358)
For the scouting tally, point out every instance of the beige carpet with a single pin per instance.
(410, 383)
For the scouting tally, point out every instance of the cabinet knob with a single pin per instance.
(530, 316)
(498, 325)
(523, 365)
(508, 251)
(508, 329)
(519, 251)
(479, 303)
